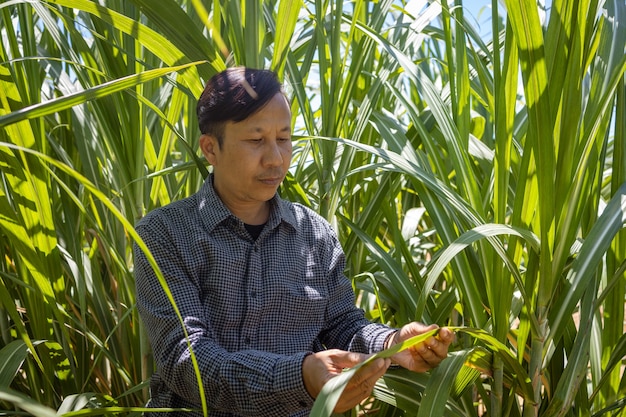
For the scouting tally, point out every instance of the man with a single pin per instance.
(258, 280)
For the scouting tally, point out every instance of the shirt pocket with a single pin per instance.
(303, 311)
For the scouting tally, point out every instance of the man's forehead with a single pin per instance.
(253, 124)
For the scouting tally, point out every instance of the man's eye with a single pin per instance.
(284, 139)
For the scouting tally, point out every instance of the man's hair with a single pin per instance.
(234, 95)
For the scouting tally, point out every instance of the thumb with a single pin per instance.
(349, 359)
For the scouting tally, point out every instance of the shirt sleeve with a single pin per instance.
(346, 326)
(246, 382)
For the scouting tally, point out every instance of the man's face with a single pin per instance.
(254, 156)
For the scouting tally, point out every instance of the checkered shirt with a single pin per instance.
(252, 309)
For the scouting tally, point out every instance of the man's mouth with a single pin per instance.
(273, 181)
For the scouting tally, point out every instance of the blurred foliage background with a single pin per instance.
(476, 176)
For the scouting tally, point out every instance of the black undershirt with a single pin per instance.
(254, 229)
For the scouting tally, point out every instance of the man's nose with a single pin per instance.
(272, 155)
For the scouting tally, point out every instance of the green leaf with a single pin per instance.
(26, 403)
(389, 265)
(13, 356)
(520, 375)
(485, 231)
(440, 385)
(615, 361)
(332, 390)
(100, 91)
(591, 254)
(286, 21)
(156, 43)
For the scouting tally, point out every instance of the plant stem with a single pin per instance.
(536, 361)
(496, 390)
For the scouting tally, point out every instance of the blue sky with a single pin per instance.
(481, 11)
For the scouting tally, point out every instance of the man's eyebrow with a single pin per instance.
(259, 129)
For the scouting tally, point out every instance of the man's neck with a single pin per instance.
(253, 213)
(250, 212)
(254, 216)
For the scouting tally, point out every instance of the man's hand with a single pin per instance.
(424, 356)
(319, 367)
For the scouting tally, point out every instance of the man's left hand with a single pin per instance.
(423, 356)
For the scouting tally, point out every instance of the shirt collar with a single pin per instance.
(213, 211)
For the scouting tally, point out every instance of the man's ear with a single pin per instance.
(209, 146)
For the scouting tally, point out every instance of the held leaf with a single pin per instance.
(332, 390)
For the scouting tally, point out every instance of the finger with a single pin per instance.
(349, 399)
(429, 328)
(362, 384)
(440, 350)
(431, 359)
(343, 359)
(427, 353)
(440, 344)
(365, 378)
(415, 328)
(445, 335)
(374, 369)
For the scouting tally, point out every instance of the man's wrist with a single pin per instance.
(391, 340)
(305, 381)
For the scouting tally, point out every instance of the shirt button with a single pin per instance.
(247, 341)
(252, 294)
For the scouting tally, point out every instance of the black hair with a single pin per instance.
(234, 95)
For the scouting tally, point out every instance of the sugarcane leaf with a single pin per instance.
(592, 251)
(94, 93)
(332, 390)
(510, 361)
(26, 403)
(13, 355)
(440, 385)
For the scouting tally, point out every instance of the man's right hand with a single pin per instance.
(319, 367)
